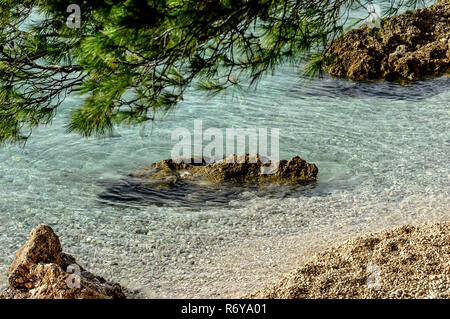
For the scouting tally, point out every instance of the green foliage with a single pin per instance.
(133, 58)
(317, 62)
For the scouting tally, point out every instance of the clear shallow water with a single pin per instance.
(382, 151)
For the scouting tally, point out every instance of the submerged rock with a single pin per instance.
(198, 182)
(409, 46)
(40, 270)
(249, 168)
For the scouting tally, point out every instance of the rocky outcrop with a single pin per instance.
(234, 168)
(40, 270)
(410, 46)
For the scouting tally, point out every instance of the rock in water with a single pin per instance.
(40, 271)
(409, 46)
(197, 181)
(249, 168)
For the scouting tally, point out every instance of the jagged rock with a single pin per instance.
(409, 46)
(234, 168)
(40, 271)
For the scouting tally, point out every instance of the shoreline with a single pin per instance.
(266, 282)
(410, 261)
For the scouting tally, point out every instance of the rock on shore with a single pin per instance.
(234, 168)
(410, 46)
(39, 271)
(403, 262)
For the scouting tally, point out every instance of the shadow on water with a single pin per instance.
(129, 191)
(414, 91)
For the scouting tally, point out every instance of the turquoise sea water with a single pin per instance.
(382, 150)
(383, 156)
